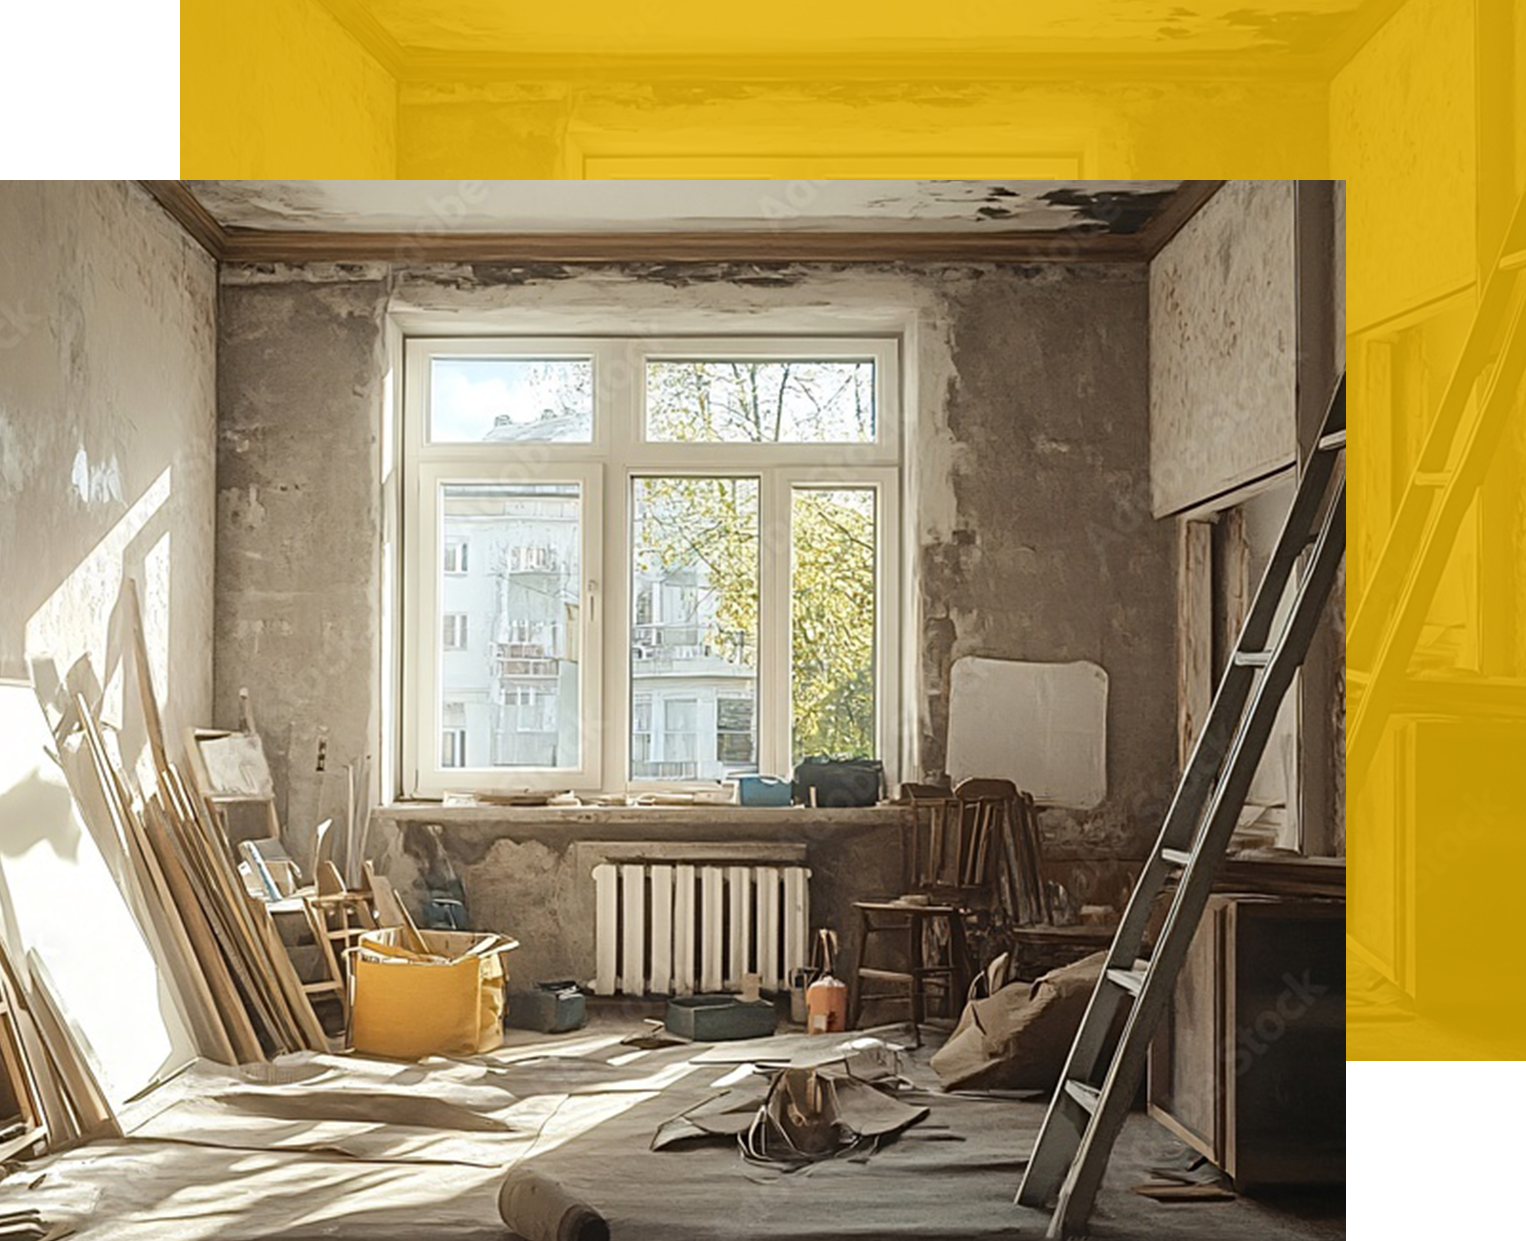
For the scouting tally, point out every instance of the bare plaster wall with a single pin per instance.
(1027, 481)
(1223, 339)
(530, 874)
(107, 435)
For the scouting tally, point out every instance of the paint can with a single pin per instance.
(826, 1006)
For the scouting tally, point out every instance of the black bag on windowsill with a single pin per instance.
(823, 781)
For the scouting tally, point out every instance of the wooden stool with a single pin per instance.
(911, 919)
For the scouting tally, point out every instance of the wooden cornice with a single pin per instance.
(176, 198)
(936, 67)
(242, 245)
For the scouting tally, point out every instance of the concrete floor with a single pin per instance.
(950, 1176)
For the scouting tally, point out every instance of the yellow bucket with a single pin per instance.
(450, 1001)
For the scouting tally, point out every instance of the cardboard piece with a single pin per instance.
(1042, 726)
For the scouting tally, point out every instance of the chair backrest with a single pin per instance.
(981, 838)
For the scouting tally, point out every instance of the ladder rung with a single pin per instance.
(1432, 478)
(1087, 1096)
(1131, 981)
(1252, 659)
(1177, 857)
(1333, 442)
(1513, 260)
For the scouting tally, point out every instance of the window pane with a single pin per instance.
(795, 402)
(694, 635)
(832, 656)
(510, 400)
(511, 685)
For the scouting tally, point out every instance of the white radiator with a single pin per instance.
(673, 920)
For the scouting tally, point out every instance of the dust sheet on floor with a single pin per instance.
(317, 1145)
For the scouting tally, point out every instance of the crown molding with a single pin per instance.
(361, 25)
(934, 67)
(949, 63)
(186, 209)
(242, 245)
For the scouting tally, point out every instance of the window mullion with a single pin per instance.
(773, 624)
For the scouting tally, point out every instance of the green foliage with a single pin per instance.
(709, 527)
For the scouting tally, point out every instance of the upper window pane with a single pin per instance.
(510, 400)
(760, 402)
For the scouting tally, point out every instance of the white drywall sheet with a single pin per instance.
(62, 896)
(1043, 726)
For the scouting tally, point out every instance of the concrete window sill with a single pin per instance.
(769, 818)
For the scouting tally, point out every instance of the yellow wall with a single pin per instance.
(280, 89)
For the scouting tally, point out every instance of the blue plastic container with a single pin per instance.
(762, 791)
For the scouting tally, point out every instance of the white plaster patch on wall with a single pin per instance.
(98, 483)
(18, 457)
(243, 510)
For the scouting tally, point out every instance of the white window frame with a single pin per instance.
(453, 635)
(606, 468)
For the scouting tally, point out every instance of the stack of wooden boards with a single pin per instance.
(240, 993)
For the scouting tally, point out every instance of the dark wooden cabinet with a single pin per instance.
(1249, 1066)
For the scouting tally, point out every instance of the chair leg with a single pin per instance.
(916, 964)
(856, 984)
(959, 961)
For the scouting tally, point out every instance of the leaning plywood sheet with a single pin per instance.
(1043, 726)
(68, 894)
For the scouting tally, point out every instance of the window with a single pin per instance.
(699, 533)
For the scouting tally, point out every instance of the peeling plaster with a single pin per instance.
(426, 208)
(1027, 472)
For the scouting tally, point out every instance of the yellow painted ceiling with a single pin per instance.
(687, 27)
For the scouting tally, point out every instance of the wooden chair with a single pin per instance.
(973, 850)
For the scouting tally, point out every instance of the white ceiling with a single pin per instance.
(689, 206)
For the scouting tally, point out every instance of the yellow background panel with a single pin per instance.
(1419, 105)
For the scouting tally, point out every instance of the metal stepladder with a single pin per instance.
(1093, 1097)
(1458, 449)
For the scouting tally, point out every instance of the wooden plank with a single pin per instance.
(633, 930)
(92, 1110)
(662, 930)
(606, 928)
(683, 929)
(152, 722)
(312, 1032)
(46, 1092)
(226, 894)
(712, 921)
(738, 924)
(1194, 632)
(209, 956)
